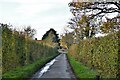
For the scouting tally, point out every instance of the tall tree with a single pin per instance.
(52, 34)
(67, 40)
(29, 31)
(95, 11)
(88, 17)
(99, 8)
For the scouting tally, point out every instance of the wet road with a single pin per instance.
(58, 68)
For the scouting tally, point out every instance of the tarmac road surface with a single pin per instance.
(58, 68)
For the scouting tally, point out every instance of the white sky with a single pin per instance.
(39, 14)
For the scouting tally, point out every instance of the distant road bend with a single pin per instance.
(57, 68)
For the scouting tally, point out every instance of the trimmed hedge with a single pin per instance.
(19, 50)
(100, 54)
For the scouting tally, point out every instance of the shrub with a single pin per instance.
(100, 54)
(20, 50)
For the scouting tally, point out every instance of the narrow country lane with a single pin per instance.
(60, 69)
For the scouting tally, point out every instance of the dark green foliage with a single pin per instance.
(101, 54)
(118, 66)
(29, 31)
(19, 50)
(52, 31)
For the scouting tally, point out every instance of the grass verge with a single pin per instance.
(28, 70)
(80, 70)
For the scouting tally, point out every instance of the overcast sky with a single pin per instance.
(39, 14)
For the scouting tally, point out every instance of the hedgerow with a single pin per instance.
(101, 54)
(20, 50)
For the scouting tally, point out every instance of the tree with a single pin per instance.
(88, 16)
(29, 31)
(67, 40)
(97, 7)
(81, 27)
(53, 34)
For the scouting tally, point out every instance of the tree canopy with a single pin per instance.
(90, 18)
(29, 31)
(53, 34)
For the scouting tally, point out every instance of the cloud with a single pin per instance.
(37, 1)
(32, 9)
(39, 14)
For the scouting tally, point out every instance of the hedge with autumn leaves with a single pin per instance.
(19, 50)
(101, 54)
